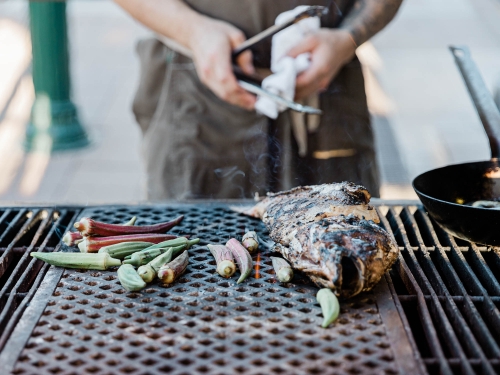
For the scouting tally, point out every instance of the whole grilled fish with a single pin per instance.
(330, 233)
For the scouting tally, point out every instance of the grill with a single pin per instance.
(447, 293)
(436, 311)
(23, 231)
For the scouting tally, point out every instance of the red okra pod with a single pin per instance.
(72, 238)
(93, 244)
(171, 271)
(250, 241)
(242, 257)
(89, 227)
(224, 258)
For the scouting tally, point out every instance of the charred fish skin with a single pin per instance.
(356, 253)
(330, 233)
(287, 211)
(346, 254)
(346, 193)
(316, 202)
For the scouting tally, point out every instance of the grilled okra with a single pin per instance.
(78, 260)
(89, 227)
(284, 272)
(123, 249)
(72, 238)
(148, 271)
(93, 244)
(129, 278)
(171, 243)
(329, 306)
(144, 257)
(250, 241)
(242, 257)
(171, 271)
(224, 258)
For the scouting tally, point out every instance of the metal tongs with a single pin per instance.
(253, 83)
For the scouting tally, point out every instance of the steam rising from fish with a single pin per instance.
(330, 233)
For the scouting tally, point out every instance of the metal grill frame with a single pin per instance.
(31, 229)
(443, 303)
(391, 359)
(450, 283)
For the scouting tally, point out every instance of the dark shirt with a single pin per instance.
(254, 16)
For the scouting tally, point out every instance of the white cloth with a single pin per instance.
(285, 70)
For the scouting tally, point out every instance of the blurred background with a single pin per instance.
(422, 115)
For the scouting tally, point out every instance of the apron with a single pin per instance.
(196, 146)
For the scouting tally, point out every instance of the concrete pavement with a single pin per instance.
(423, 117)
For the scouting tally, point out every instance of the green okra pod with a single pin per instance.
(78, 260)
(177, 250)
(123, 249)
(148, 271)
(172, 243)
(141, 258)
(93, 244)
(283, 270)
(329, 306)
(129, 278)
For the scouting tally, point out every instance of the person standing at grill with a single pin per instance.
(202, 137)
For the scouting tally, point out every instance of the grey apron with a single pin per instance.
(198, 146)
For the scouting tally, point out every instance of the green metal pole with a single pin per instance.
(54, 121)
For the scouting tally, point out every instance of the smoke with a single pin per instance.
(228, 172)
(271, 152)
(256, 153)
(230, 175)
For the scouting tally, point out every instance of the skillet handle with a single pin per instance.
(483, 101)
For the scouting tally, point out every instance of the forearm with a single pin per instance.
(208, 41)
(368, 17)
(171, 18)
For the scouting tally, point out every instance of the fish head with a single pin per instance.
(350, 259)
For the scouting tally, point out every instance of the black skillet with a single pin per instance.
(445, 192)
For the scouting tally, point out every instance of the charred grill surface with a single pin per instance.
(203, 323)
(445, 290)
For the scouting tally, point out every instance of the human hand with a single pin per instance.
(212, 42)
(330, 50)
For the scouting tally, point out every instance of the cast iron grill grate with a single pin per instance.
(448, 292)
(203, 323)
(23, 231)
